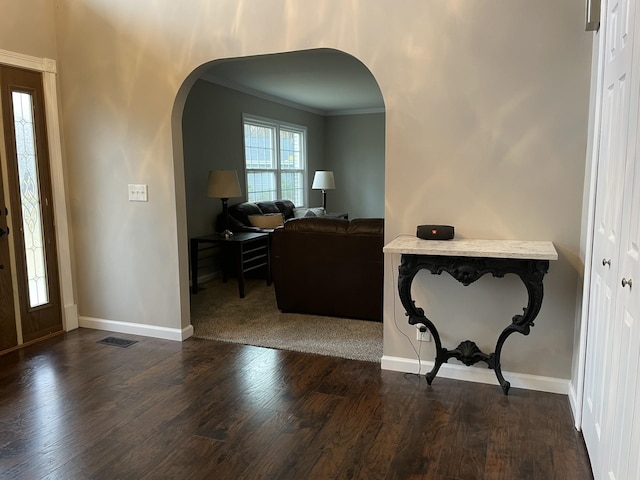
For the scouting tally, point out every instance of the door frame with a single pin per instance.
(576, 389)
(48, 68)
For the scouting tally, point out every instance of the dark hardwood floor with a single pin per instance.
(71, 408)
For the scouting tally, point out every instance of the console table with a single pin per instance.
(246, 251)
(466, 261)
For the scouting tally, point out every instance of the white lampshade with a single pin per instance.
(223, 184)
(323, 180)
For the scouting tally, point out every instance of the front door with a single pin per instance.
(8, 333)
(30, 209)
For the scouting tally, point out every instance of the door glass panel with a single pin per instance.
(30, 198)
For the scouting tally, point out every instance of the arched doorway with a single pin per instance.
(329, 93)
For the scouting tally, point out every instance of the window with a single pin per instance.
(275, 160)
(30, 200)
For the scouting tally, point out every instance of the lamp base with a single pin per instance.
(225, 211)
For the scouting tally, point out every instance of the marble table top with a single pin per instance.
(517, 249)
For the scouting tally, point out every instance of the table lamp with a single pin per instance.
(224, 184)
(323, 180)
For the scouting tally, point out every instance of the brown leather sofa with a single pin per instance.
(240, 212)
(331, 267)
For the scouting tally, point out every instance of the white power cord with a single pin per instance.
(420, 326)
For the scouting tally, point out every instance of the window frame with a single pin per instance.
(277, 126)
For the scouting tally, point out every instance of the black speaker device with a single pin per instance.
(435, 232)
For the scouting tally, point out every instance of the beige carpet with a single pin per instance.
(218, 313)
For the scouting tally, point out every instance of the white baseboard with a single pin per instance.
(461, 372)
(137, 329)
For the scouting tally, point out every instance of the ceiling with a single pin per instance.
(327, 82)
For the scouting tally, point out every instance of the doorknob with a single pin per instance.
(626, 282)
(606, 262)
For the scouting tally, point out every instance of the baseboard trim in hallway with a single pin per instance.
(136, 328)
(478, 375)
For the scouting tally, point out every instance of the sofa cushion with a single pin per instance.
(269, 220)
(286, 207)
(357, 226)
(315, 224)
(241, 212)
(268, 206)
(366, 226)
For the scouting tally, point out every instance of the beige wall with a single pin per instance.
(486, 126)
(28, 27)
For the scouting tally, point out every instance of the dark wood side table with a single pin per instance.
(244, 251)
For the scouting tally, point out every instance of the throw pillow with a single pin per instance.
(301, 212)
(270, 220)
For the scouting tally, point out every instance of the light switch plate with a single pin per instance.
(137, 192)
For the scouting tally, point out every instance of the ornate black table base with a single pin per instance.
(467, 270)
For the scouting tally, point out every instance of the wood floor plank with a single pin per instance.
(425, 438)
(278, 456)
(94, 463)
(372, 452)
(71, 408)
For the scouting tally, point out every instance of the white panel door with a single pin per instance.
(621, 437)
(612, 154)
(629, 300)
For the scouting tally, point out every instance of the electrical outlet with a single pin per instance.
(423, 336)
